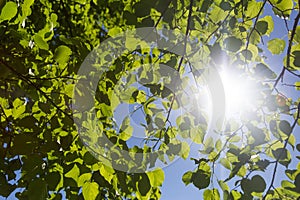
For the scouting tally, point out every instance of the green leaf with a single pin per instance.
(245, 185)
(285, 127)
(107, 172)
(253, 9)
(298, 147)
(7, 189)
(187, 177)
(9, 11)
(280, 153)
(205, 6)
(235, 138)
(89, 159)
(265, 25)
(262, 27)
(69, 89)
(297, 181)
(211, 194)
(247, 54)
(156, 177)
(114, 31)
(233, 44)
(263, 70)
(201, 179)
(225, 6)
(127, 95)
(297, 85)
(218, 145)
(223, 185)
(197, 135)
(73, 173)
(258, 184)
(126, 129)
(263, 164)
(297, 35)
(286, 184)
(144, 185)
(296, 58)
(26, 11)
(131, 43)
(90, 190)
(276, 46)
(235, 194)
(184, 150)
(225, 163)
(62, 54)
(218, 14)
(273, 127)
(18, 111)
(292, 141)
(83, 178)
(255, 38)
(28, 3)
(40, 42)
(283, 5)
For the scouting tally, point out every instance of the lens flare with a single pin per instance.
(240, 95)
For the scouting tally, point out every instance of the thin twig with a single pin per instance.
(255, 22)
(180, 63)
(162, 14)
(212, 33)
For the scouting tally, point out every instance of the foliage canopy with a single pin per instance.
(43, 45)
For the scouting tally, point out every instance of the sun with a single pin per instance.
(239, 90)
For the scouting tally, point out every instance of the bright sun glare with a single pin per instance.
(239, 95)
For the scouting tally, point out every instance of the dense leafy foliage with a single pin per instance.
(44, 43)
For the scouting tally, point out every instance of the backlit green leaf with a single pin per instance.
(284, 6)
(156, 177)
(90, 190)
(73, 173)
(40, 42)
(62, 54)
(297, 85)
(211, 194)
(114, 31)
(187, 177)
(276, 46)
(9, 11)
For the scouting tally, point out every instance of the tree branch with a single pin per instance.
(29, 82)
(180, 63)
(284, 147)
